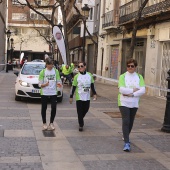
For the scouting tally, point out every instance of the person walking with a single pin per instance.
(131, 86)
(82, 83)
(49, 80)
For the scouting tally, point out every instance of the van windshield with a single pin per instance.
(32, 69)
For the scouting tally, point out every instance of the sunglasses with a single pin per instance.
(81, 66)
(132, 66)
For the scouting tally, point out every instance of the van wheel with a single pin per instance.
(17, 98)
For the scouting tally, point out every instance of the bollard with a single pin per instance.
(166, 124)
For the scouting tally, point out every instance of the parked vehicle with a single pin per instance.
(26, 84)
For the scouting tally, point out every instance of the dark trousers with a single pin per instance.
(44, 101)
(128, 116)
(82, 109)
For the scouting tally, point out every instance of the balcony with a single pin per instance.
(75, 42)
(129, 11)
(110, 19)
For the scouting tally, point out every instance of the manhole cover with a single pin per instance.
(118, 114)
(48, 133)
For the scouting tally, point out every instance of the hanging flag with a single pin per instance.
(58, 36)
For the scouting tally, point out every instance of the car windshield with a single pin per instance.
(32, 69)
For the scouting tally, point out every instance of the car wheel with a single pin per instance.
(59, 99)
(17, 98)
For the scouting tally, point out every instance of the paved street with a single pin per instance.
(23, 145)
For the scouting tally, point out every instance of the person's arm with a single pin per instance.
(122, 87)
(41, 80)
(74, 85)
(139, 92)
(58, 79)
(93, 89)
(72, 91)
(142, 89)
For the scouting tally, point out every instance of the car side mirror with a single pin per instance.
(16, 73)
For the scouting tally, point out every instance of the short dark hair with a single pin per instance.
(49, 61)
(82, 62)
(131, 60)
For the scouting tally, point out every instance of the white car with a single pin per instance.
(26, 84)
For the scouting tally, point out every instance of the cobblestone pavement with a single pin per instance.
(23, 145)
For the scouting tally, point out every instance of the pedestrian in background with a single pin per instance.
(82, 83)
(131, 87)
(49, 79)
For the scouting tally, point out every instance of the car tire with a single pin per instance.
(59, 99)
(17, 98)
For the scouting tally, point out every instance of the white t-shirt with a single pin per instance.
(83, 85)
(49, 76)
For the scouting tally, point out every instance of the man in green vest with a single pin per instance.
(66, 72)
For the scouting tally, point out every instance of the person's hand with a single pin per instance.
(71, 100)
(135, 89)
(95, 97)
(129, 95)
(59, 85)
(46, 84)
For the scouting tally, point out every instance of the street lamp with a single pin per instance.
(166, 124)
(85, 10)
(8, 46)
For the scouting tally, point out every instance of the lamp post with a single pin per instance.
(166, 124)
(8, 46)
(12, 48)
(85, 10)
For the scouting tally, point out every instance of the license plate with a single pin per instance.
(35, 91)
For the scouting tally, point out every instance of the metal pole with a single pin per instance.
(7, 55)
(84, 40)
(166, 124)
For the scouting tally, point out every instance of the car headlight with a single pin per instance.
(23, 83)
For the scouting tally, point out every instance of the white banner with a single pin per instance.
(58, 36)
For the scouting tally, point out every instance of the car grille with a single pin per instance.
(36, 86)
(34, 94)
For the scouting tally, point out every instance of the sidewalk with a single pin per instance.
(23, 145)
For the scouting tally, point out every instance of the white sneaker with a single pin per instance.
(51, 126)
(45, 126)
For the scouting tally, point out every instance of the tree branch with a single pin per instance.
(84, 22)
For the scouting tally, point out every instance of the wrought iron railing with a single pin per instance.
(128, 12)
(110, 18)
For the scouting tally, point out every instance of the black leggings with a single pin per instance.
(44, 101)
(128, 116)
(82, 109)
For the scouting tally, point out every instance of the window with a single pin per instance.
(97, 12)
(18, 2)
(38, 2)
(79, 1)
(91, 13)
(104, 6)
(19, 17)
